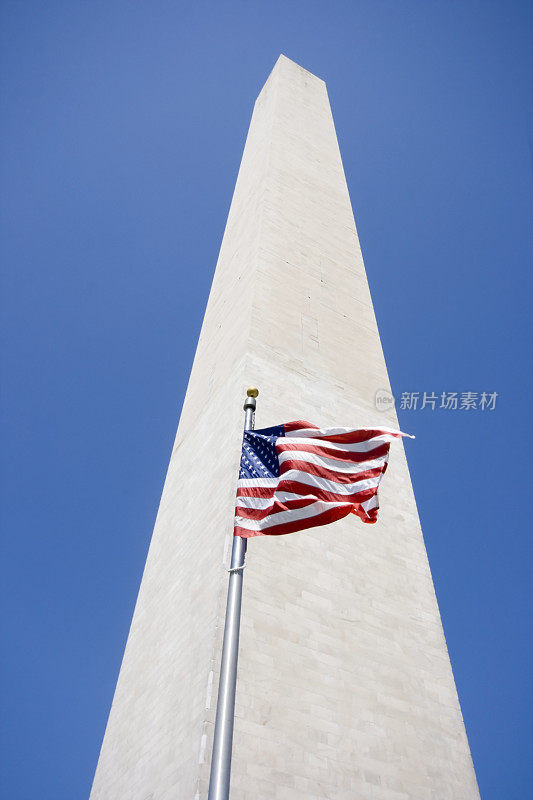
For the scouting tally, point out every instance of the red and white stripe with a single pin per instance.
(325, 474)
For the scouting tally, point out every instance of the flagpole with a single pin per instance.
(223, 737)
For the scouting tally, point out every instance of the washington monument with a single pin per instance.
(345, 689)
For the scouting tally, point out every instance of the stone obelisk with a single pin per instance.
(345, 688)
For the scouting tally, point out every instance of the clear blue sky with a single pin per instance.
(123, 125)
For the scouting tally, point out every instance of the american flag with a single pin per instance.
(296, 476)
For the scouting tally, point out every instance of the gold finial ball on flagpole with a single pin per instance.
(252, 392)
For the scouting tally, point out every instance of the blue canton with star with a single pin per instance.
(259, 458)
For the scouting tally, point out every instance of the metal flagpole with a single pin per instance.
(223, 737)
